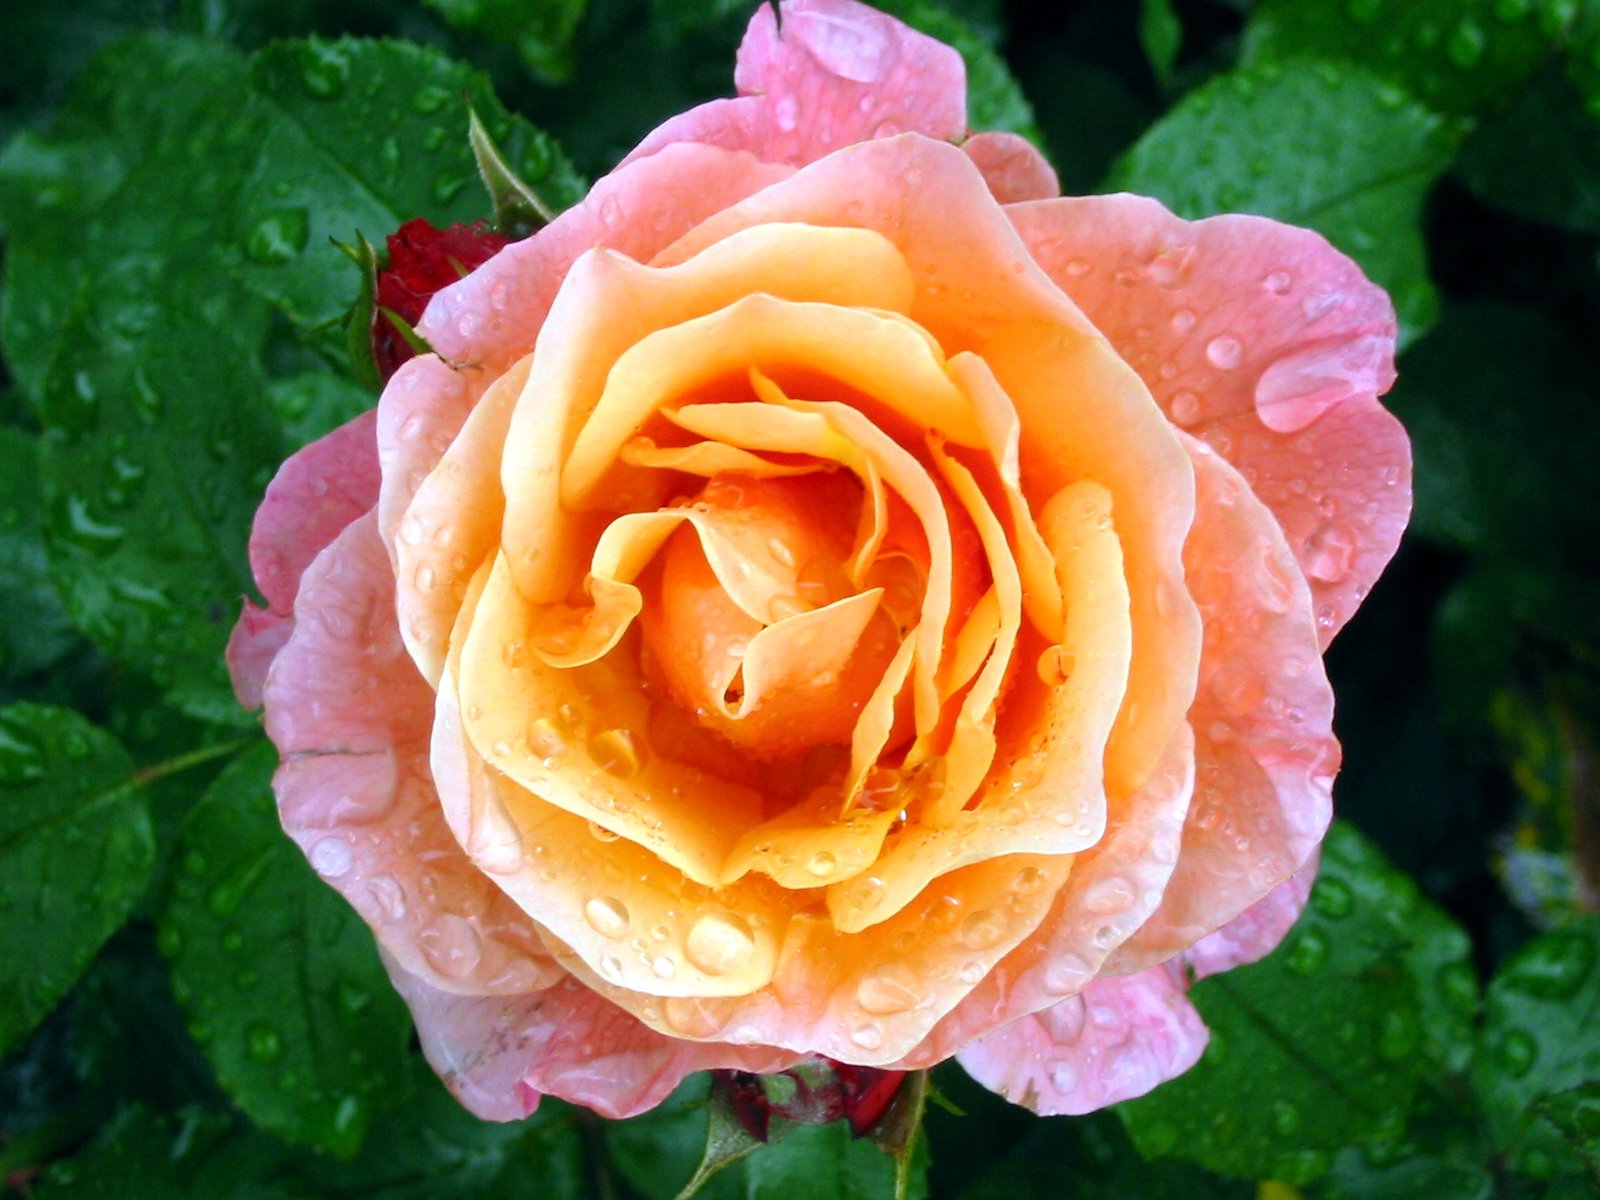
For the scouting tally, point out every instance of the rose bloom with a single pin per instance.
(829, 595)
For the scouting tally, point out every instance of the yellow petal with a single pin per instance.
(876, 354)
(607, 303)
(1050, 797)
(577, 739)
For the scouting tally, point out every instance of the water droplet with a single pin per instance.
(1236, 688)
(617, 752)
(1077, 268)
(1278, 282)
(430, 99)
(389, 895)
(1185, 407)
(263, 1042)
(868, 1036)
(719, 942)
(696, 1016)
(1065, 974)
(1183, 321)
(607, 915)
(1285, 1117)
(1309, 952)
(324, 69)
(331, 857)
(786, 112)
(982, 929)
(1225, 351)
(601, 834)
(1398, 1034)
(1466, 45)
(1553, 967)
(1063, 1077)
(822, 864)
(889, 988)
(1107, 896)
(451, 946)
(1329, 553)
(1332, 897)
(664, 966)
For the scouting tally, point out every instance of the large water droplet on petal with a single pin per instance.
(719, 942)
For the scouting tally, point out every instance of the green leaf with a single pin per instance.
(1358, 169)
(1161, 36)
(313, 403)
(1095, 1154)
(823, 1162)
(1358, 1176)
(34, 629)
(1575, 1113)
(994, 98)
(540, 31)
(1321, 1044)
(431, 1147)
(75, 852)
(1548, 114)
(155, 1157)
(1539, 1037)
(143, 364)
(277, 974)
(1458, 56)
(360, 137)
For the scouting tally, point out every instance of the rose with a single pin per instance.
(830, 596)
(422, 260)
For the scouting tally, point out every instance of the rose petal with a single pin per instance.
(836, 72)
(1113, 888)
(610, 304)
(1262, 721)
(492, 317)
(1255, 932)
(354, 788)
(1267, 342)
(602, 768)
(1116, 1040)
(319, 490)
(498, 1055)
(451, 524)
(1049, 797)
(1012, 166)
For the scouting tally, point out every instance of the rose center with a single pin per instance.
(751, 620)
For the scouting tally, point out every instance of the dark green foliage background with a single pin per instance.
(186, 1011)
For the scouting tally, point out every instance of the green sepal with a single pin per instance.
(518, 210)
(358, 321)
(727, 1141)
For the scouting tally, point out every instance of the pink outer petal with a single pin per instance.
(419, 414)
(836, 73)
(1268, 343)
(352, 719)
(1112, 890)
(499, 1055)
(492, 317)
(1255, 932)
(1118, 1039)
(1014, 169)
(318, 490)
(1263, 721)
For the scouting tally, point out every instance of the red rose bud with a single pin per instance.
(422, 260)
(818, 1092)
(868, 1092)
